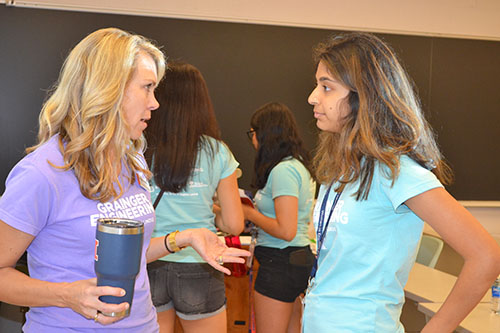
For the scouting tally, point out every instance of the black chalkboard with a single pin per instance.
(248, 65)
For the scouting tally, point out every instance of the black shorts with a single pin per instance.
(283, 273)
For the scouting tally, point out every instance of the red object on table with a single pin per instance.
(237, 269)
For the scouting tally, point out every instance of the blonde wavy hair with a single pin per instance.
(385, 119)
(85, 111)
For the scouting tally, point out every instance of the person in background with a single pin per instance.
(190, 164)
(381, 176)
(284, 202)
(86, 165)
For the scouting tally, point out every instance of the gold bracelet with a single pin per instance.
(172, 244)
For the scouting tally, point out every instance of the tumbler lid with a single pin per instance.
(120, 226)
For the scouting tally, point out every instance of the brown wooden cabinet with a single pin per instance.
(238, 303)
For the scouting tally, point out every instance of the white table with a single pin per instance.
(427, 284)
(481, 319)
(429, 287)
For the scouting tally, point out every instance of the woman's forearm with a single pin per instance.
(271, 226)
(284, 226)
(157, 249)
(229, 215)
(469, 239)
(158, 245)
(472, 283)
(20, 289)
(80, 296)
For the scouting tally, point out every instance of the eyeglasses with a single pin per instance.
(250, 134)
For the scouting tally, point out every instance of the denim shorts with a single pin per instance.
(283, 273)
(194, 290)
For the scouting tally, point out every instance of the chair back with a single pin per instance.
(429, 250)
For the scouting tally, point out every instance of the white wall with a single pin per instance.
(476, 19)
(488, 213)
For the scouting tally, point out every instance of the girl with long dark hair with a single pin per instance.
(190, 165)
(284, 198)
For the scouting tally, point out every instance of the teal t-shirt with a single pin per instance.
(192, 207)
(369, 249)
(289, 177)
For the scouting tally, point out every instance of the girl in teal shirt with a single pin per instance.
(190, 165)
(381, 175)
(284, 200)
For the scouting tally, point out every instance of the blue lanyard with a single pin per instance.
(321, 231)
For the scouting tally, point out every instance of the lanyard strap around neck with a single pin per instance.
(321, 230)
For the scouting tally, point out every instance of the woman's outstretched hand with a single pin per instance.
(213, 250)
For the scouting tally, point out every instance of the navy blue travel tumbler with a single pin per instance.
(118, 248)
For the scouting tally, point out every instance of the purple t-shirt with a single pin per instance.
(47, 203)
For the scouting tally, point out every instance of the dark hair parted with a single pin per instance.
(278, 137)
(385, 121)
(176, 130)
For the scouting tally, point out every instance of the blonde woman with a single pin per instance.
(382, 176)
(87, 161)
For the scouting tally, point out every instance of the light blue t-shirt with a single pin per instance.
(289, 177)
(369, 250)
(192, 207)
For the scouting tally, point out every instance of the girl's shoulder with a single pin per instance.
(406, 164)
(290, 165)
(46, 154)
(409, 172)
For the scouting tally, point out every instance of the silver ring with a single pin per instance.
(220, 261)
(96, 316)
